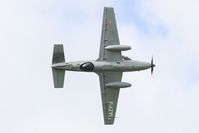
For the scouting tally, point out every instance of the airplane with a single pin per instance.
(109, 66)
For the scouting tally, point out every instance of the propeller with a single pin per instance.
(152, 66)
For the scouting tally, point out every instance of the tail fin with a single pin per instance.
(58, 74)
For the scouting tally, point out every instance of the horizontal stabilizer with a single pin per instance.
(58, 54)
(58, 74)
(58, 77)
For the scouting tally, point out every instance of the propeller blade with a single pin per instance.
(152, 66)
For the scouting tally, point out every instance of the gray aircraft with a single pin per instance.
(109, 66)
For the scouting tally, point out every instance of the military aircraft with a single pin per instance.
(109, 66)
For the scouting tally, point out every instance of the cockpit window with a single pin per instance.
(87, 66)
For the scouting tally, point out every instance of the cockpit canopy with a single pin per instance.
(87, 66)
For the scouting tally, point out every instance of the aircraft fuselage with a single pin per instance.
(100, 66)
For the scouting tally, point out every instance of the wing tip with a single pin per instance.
(108, 122)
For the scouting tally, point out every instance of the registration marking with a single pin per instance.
(110, 110)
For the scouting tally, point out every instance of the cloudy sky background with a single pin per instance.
(165, 102)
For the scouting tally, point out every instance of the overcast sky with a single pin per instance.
(167, 102)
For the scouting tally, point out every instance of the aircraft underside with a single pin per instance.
(109, 66)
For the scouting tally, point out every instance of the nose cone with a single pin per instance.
(142, 65)
(152, 65)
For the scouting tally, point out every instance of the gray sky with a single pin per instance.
(165, 102)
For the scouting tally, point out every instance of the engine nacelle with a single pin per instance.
(118, 47)
(118, 85)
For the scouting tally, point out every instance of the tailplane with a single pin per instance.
(58, 74)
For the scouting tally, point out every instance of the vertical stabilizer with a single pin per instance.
(58, 74)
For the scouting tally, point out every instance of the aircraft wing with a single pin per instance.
(109, 36)
(109, 95)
